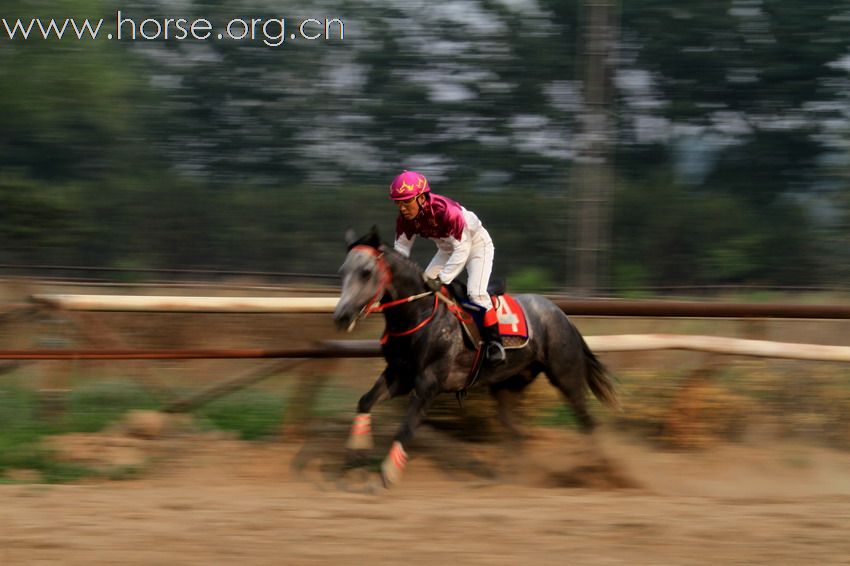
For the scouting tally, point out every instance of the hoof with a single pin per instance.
(394, 464)
(361, 433)
(360, 443)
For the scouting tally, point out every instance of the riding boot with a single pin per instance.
(494, 351)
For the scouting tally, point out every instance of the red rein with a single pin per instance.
(386, 280)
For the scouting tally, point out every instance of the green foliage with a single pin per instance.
(17, 416)
(333, 401)
(531, 280)
(235, 155)
(670, 233)
(560, 415)
(35, 217)
(21, 431)
(91, 407)
(68, 106)
(630, 276)
(94, 406)
(252, 414)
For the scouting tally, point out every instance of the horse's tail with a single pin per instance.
(599, 379)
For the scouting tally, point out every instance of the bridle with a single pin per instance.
(374, 305)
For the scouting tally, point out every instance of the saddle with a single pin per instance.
(512, 321)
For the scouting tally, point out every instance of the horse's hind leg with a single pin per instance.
(567, 378)
(507, 394)
(360, 437)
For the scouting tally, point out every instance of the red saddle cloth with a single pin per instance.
(511, 316)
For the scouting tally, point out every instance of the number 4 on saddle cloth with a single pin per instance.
(512, 322)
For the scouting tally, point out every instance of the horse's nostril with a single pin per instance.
(342, 321)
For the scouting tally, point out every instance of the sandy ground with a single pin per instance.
(557, 499)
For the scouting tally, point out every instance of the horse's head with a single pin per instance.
(365, 276)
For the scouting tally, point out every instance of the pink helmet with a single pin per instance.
(408, 185)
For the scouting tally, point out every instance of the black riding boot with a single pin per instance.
(494, 351)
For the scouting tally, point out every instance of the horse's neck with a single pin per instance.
(406, 279)
(406, 282)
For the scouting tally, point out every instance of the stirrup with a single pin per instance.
(495, 353)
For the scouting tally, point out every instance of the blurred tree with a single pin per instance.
(34, 217)
(742, 102)
(68, 106)
(71, 137)
(730, 151)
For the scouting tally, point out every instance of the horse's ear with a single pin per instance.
(373, 238)
(350, 237)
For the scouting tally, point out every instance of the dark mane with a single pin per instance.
(373, 240)
(402, 259)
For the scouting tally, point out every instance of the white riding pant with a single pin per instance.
(479, 267)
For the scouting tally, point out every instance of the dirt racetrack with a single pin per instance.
(204, 499)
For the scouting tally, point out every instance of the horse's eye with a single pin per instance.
(365, 273)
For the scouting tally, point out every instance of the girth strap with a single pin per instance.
(472, 377)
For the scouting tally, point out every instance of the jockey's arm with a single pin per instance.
(460, 250)
(403, 244)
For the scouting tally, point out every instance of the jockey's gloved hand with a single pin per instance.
(434, 284)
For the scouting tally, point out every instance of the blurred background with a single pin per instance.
(649, 148)
(609, 147)
(636, 148)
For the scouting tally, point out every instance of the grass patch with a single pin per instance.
(333, 401)
(89, 408)
(21, 431)
(558, 416)
(94, 406)
(255, 414)
(250, 413)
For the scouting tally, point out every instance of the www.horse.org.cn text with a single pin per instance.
(272, 32)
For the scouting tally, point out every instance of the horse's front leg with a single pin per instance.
(360, 437)
(427, 390)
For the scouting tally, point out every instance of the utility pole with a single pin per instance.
(593, 175)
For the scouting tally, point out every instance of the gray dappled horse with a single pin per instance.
(426, 354)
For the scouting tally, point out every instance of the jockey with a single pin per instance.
(461, 242)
